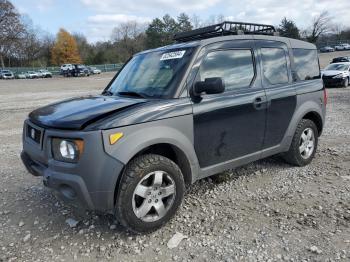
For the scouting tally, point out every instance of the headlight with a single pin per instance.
(339, 76)
(67, 150)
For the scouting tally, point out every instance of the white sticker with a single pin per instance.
(173, 55)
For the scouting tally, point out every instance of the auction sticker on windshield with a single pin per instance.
(173, 55)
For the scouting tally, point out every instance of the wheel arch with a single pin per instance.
(317, 119)
(173, 142)
(307, 109)
(167, 150)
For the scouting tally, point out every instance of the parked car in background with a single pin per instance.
(66, 69)
(336, 74)
(20, 76)
(326, 49)
(45, 73)
(94, 70)
(341, 47)
(340, 59)
(6, 74)
(31, 75)
(80, 70)
(39, 74)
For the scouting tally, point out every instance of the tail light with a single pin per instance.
(325, 96)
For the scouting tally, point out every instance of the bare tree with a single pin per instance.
(196, 21)
(11, 29)
(321, 24)
(127, 30)
(129, 38)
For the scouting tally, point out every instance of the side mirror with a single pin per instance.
(213, 85)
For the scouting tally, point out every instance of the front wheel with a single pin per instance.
(151, 191)
(304, 144)
(346, 82)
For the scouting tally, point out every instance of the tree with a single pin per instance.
(154, 33)
(86, 51)
(184, 22)
(287, 28)
(161, 32)
(11, 29)
(196, 21)
(65, 49)
(321, 24)
(129, 38)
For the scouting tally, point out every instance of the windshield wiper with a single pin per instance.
(107, 93)
(131, 93)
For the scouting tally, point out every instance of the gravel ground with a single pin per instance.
(264, 211)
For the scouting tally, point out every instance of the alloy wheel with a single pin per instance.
(153, 196)
(307, 143)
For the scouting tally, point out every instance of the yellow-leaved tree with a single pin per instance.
(65, 49)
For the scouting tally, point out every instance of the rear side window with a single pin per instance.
(306, 64)
(274, 65)
(235, 67)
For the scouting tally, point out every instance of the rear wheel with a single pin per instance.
(150, 193)
(304, 144)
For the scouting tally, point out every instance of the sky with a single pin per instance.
(96, 18)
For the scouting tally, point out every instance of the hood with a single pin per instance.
(332, 72)
(78, 112)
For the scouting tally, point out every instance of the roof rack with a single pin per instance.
(225, 28)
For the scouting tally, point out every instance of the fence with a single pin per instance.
(56, 69)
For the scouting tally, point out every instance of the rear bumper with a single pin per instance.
(88, 184)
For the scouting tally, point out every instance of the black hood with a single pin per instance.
(77, 113)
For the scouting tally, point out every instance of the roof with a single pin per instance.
(290, 42)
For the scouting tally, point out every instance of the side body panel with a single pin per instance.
(281, 99)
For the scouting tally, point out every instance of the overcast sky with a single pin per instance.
(96, 18)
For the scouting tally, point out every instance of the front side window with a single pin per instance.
(274, 65)
(235, 67)
(306, 64)
(152, 75)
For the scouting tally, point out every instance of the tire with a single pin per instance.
(131, 208)
(346, 82)
(294, 155)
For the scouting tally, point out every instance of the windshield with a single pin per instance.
(154, 74)
(337, 67)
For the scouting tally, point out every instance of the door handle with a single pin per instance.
(258, 102)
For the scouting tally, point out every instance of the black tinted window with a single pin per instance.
(306, 64)
(274, 65)
(235, 67)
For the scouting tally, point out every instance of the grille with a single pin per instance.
(327, 77)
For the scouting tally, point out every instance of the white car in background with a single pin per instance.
(66, 69)
(342, 47)
(94, 70)
(6, 74)
(336, 74)
(31, 75)
(45, 73)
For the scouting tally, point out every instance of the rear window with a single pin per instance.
(274, 65)
(306, 64)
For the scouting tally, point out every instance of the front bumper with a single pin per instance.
(8, 77)
(90, 183)
(333, 81)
